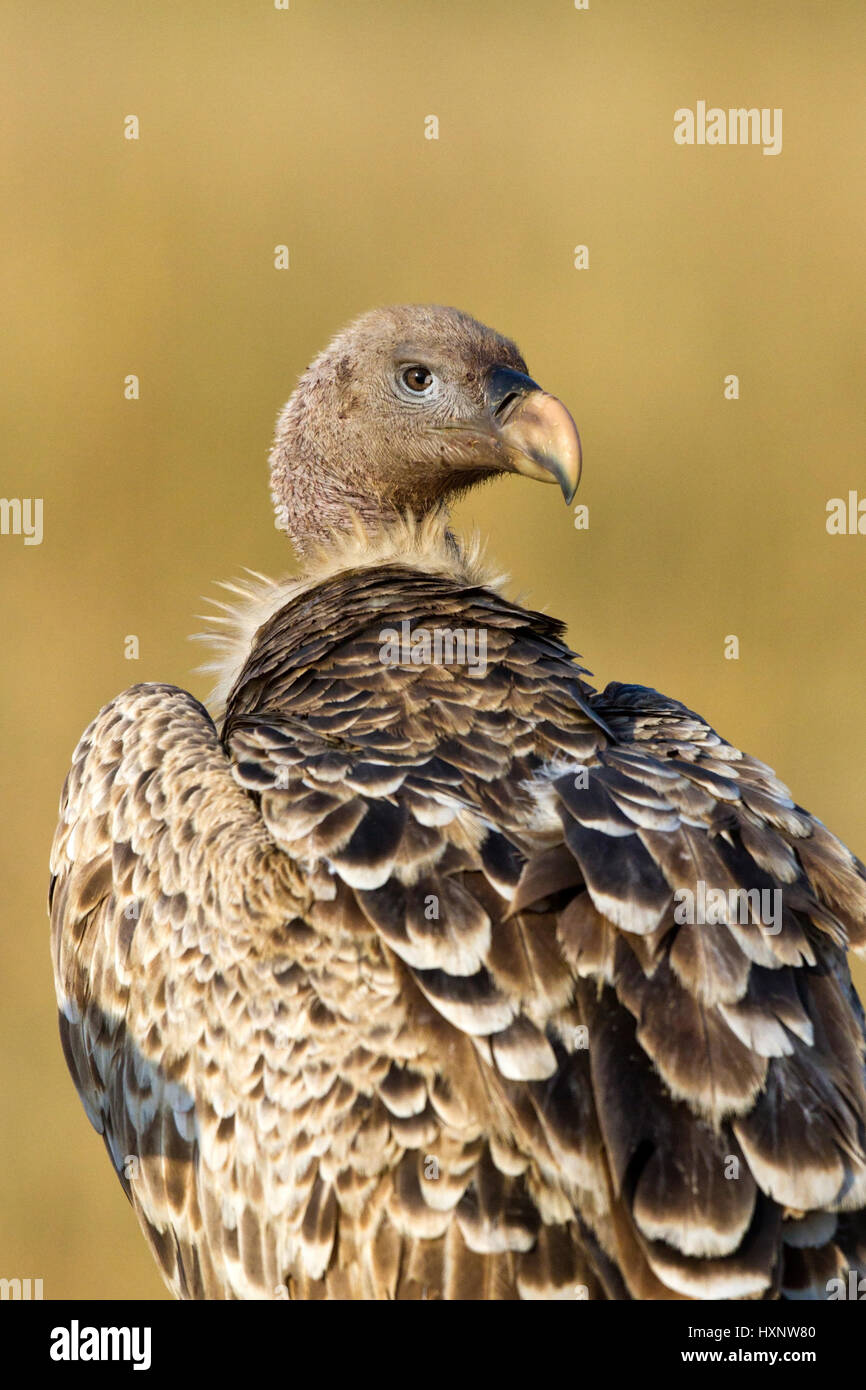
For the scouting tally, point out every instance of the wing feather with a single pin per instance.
(405, 1006)
(162, 876)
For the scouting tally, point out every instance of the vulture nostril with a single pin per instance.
(503, 409)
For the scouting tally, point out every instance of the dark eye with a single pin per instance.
(416, 378)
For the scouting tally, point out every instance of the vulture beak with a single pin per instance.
(534, 430)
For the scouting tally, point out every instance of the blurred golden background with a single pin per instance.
(306, 127)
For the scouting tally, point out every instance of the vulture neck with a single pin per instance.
(332, 521)
(332, 513)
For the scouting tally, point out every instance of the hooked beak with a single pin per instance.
(534, 430)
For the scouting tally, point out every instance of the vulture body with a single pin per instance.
(380, 988)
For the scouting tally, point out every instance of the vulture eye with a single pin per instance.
(417, 378)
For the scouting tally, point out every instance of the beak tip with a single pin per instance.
(540, 436)
(570, 481)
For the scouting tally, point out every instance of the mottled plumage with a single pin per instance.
(377, 990)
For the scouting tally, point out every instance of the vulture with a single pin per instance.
(423, 969)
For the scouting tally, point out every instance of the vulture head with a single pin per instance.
(407, 407)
